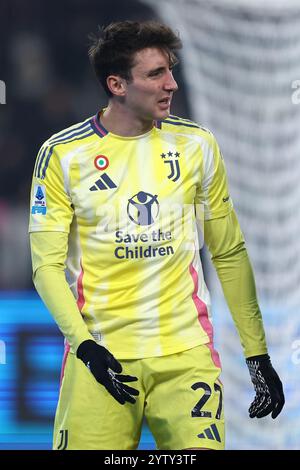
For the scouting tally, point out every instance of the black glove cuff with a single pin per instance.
(261, 359)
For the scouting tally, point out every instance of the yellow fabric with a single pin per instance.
(88, 418)
(225, 241)
(48, 251)
(138, 283)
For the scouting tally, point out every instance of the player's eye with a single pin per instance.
(156, 73)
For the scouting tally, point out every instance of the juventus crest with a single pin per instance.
(172, 159)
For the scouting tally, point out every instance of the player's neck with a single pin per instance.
(121, 121)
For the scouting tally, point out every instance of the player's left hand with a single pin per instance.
(269, 396)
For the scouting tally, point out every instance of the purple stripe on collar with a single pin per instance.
(97, 126)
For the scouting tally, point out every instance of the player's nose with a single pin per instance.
(170, 83)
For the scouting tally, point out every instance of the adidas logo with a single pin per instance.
(211, 433)
(104, 182)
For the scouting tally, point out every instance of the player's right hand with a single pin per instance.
(106, 370)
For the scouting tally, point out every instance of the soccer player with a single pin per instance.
(116, 201)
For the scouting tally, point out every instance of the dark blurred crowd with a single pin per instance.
(49, 81)
(50, 84)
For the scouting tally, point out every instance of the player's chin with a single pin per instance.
(162, 114)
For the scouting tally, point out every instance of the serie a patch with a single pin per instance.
(39, 204)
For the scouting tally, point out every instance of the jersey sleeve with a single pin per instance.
(226, 244)
(50, 204)
(49, 252)
(213, 193)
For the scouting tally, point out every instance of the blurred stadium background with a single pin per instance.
(239, 76)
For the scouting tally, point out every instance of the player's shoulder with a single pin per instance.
(177, 124)
(60, 144)
(75, 133)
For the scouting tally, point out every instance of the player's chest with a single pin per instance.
(140, 174)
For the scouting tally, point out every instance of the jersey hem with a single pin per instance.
(167, 351)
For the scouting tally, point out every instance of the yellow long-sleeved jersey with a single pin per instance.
(123, 213)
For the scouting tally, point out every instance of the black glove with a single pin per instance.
(103, 366)
(267, 385)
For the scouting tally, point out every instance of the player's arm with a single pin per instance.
(225, 241)
(229, 255)
(51, 215)
(50, 219)
(48, 253)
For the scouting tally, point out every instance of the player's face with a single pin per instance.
(149, 93)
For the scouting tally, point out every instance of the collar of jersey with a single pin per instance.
(100, 130)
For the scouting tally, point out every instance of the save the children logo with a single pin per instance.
(143, 208)
(146, 227)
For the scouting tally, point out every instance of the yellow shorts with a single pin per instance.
(180, 396)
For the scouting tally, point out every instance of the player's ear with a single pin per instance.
(116, 85)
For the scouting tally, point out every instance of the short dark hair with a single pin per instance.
(112, 51)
